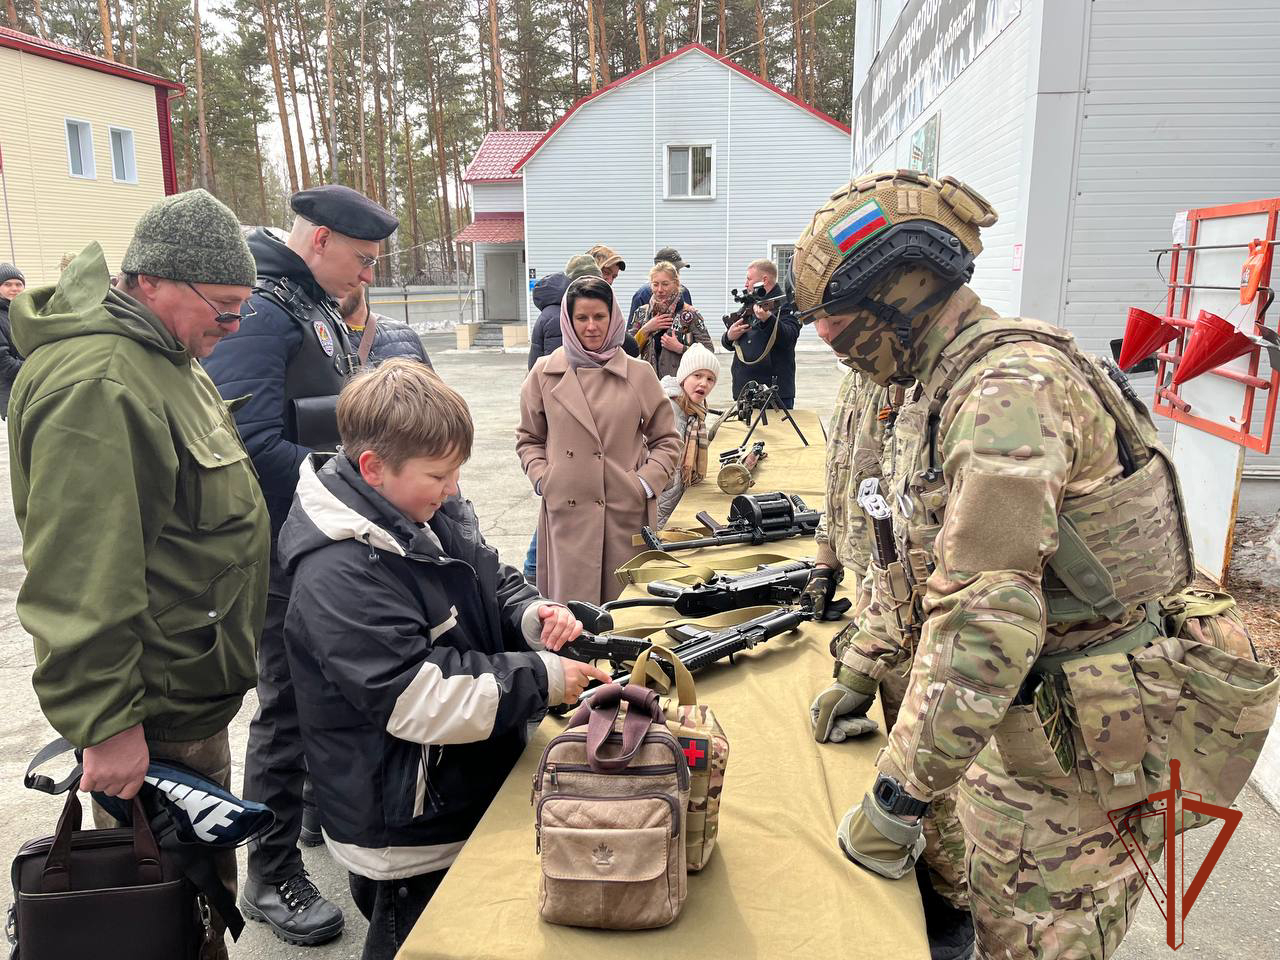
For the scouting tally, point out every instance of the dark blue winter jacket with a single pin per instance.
(253, 361)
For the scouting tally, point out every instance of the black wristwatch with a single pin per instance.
(893, 799)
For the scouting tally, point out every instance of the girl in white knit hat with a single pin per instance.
(689, 390)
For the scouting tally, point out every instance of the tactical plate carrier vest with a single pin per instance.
(1119, 547)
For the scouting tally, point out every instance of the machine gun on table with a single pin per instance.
(699, 647)
(774, 585)
(752, 406)
(737, 467)
(753, 518)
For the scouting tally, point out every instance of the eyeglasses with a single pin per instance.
(365, 261)
(246, 311)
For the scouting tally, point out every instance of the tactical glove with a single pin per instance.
(878, 841)
(840, 711)
(819, 593)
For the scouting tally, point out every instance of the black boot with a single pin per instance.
(294, 910)
(310, 835)
(950, 930)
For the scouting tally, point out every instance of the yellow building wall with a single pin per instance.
(52, 212)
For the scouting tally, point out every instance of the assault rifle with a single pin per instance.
(750, 298)
(699, 647)
(753, 518)
(766, 586)
(737, 467)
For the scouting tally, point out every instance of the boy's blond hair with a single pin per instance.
(400, 410)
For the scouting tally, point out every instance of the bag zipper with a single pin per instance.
(665, 737)
(671, 802)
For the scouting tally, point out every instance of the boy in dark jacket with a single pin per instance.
(414, 700)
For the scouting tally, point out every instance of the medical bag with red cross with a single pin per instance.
(705, 746)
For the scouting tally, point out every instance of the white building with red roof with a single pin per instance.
(690, 151)
(496, 232)
(85, 149)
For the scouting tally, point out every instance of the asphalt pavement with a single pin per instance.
(1237, 915)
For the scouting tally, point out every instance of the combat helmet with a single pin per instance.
(871, 228)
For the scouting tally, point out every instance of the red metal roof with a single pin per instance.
(668, 58)
(38, 46)
(493, 228)
(499, 153)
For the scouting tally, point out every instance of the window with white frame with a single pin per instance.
(123, 167)
(80, 149)
(691, 171)
(781, 254)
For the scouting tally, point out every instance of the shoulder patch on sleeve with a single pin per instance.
(1006, 418)
(998, 522)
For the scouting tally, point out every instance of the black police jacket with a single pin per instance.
(778, 367)
(274, 358)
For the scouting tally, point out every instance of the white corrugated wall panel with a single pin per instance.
(497, 197)
(592, 183)
(980, 141)
(1181, 110)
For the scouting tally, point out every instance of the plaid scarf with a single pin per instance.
(693, 462)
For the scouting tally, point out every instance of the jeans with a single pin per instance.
(392, 907)
(531, 558)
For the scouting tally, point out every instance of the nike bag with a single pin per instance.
(706, 750)
(610, 796)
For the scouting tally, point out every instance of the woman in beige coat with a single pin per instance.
(598, 441)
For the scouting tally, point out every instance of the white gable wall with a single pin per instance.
(599, 179)
(497, 197)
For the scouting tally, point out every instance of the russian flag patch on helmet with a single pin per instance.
(857, 226)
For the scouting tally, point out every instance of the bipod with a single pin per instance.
(762, 416)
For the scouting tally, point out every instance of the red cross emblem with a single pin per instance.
(695, 752)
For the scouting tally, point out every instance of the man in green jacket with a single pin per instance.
(145, 536)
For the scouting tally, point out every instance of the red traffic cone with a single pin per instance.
(1144, 333)
(1212, 343)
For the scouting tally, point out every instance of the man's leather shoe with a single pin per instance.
(294, 910)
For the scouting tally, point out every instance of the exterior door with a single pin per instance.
(501, 286)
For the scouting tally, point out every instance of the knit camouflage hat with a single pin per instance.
(858, 230)
(583, 265)
(192, 237)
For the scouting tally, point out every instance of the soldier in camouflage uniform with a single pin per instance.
(1033, 516)
(859, 426)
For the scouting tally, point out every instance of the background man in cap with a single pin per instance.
(610, 263)
(135, 497)
(12, 283)
(292, 359)
(645, 293)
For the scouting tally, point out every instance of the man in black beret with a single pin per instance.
(291, 360)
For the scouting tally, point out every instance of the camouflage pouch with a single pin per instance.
(1108, 713)
(706, 749)
(1208, 709)
(1034, 739)
(1207, 616)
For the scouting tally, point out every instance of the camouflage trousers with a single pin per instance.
(1081, 925)
(1049, 878)
(944, 842)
